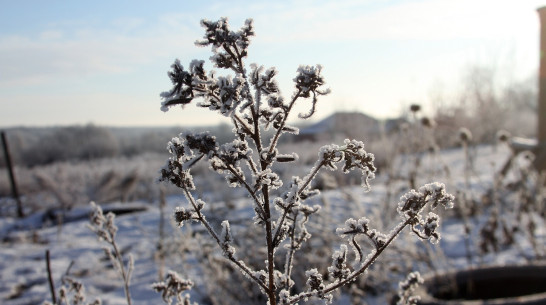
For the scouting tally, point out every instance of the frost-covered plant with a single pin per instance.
(251, 99)
(172, 287)
(466, 205)
(416, 141)
(407, 288)
(465, 137)
(519, 206)
(105, 229)
(72, 293)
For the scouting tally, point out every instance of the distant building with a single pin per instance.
(352, 125)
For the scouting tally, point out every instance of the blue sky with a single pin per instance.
(105, 62)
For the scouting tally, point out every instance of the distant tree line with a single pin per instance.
(486, 104)
(31, 146)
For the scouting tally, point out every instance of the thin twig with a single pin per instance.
(214, 235)
(280, 223)
(50, 278)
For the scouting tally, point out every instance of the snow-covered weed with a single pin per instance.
(172, 287)
(251, 99)
(72, 293)
(517, 206)
(105, 229)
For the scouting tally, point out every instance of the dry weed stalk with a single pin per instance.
(105, 229)
(251, 99)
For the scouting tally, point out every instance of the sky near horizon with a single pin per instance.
(106, 62)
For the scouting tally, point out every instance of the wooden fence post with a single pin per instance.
(540, 162)
(12, 176)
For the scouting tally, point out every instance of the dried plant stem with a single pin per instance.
(290, 254)
(279, 130)
(161, 244)
(125, 276)
(105, 229)
(50, 278)
(270, 248)
(252, 193)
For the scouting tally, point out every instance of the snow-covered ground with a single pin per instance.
(76, 251)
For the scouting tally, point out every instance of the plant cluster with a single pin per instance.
(407, 288)
(72, 293)
(172, 287)
(105, 229)
(251, 99)
(518, 209)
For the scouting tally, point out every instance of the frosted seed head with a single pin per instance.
(410, 204)
(338, 270)
(428, 122)
(308, 210)
(430, 226)
(435, 194)
(415, 108)
(356, 157)
(268, 178)
(407, 287)
(314, 280)
(181, 216)
(503, 136)
(172, 287)
(284, 297)
(354, 227)
(465, 135)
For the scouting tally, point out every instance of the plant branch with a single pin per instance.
(310, 178)
(200, 215)
(124, 274)
(365, 265)
(283, 122)
(270, 245)
(214, 235)
(249, 189)
(291, 252)
(237, 59)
